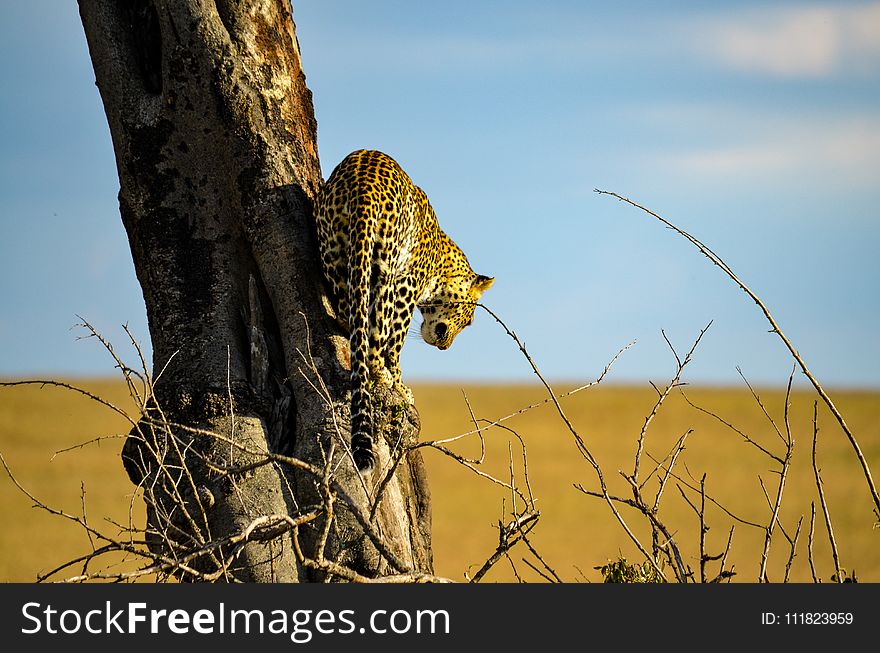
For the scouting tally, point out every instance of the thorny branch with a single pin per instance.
(188, 551)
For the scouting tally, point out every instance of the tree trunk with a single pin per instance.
(215, 142)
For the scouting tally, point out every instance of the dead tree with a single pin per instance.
(215, 141)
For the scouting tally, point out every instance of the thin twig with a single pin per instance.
(810, 541)
(541, 573)
(672, 384)
(757, 399)
(791, 554)
(731, 427)
(783, 473)
(81, 445)
(822, 501)
(508, 535)
(540, 559)
(711, 500)
(722, 574)
(675, 453)
(543, 402)
(703, 530)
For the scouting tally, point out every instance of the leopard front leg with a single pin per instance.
(402, 305)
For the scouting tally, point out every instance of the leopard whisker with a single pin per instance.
(415, 330)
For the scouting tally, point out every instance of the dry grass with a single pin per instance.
(34, 424)
(576, 532)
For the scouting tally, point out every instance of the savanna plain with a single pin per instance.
(40, 428)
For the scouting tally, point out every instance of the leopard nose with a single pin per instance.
(441, 331)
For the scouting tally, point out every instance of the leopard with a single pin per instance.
(383, 254)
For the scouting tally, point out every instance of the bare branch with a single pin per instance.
(673, 455)
(716, 260)
(722, 573)
(760, 403)
(703, 530)
(540, 573)
(810, 541)
(581, 445)
(500, 420)
(672, 384)
(508, 535)
(791, 554)
(712, 500)
(783, 473)
(731, 427)
(823, 503)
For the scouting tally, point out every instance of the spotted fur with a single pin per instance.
(383, 254)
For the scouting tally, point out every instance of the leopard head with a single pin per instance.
(451, 308)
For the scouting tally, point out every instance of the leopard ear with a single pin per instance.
(482, 283)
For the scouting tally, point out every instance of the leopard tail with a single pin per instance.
(360, 267)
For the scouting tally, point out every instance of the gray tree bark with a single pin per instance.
(215, 142)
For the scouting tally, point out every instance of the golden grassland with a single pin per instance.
(576, 532)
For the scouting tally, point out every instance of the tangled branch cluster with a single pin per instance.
(177, 542)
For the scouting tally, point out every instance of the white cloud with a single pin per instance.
(841, 152)
(736, 160)
(807, 40)
(814, 41)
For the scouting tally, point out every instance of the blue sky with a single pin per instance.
(755, 126)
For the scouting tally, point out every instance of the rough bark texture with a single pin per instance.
(215, 141)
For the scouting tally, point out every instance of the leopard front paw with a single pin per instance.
(382, 377)
(404, 391)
